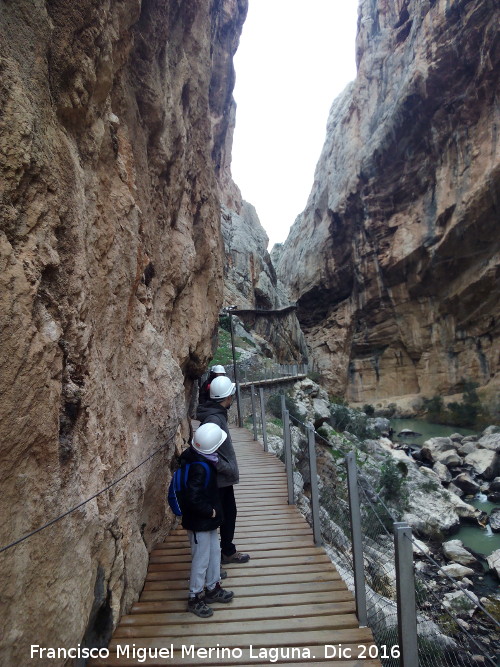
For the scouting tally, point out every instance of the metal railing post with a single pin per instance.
(287, 443)
(294, 370)
(263, 418)
(254, 412)
(311, 443)
(238, 403)
(357, 542)
(405, 589)
(236, 377)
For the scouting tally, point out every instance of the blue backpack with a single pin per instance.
(178, 483)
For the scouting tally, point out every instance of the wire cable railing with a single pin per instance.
(85, 502)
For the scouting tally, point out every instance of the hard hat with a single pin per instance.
(221, 387)
(218, 369)
(208, 438)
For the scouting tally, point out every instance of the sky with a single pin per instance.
(294, 58)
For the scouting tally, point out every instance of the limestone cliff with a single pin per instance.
(115, 124)
(395, 261)
(250, 282)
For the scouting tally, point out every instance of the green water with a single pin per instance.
(482, 540)
(426, 429)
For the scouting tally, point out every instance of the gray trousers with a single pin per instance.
(205, 560)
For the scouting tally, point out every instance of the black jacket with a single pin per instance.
(197, 502)
(204, 393)
(227, 467)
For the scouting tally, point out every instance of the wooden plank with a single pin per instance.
(236, 614)
(253, 579)
(247, 659)
(264, 639)
(163, 572)
(342, 600)
(162, 590)
(320, 622)
(270, 544)
(181, 556)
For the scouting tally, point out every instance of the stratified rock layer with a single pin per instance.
(251, 284)
(395, 261)
(114, 126)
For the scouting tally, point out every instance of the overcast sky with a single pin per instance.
(294, 58)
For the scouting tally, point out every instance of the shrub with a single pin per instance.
(274, 406)
(225, 323)
(344, 418)
(392, 479)
(433, 408)
(369, 410)
(315, 376)
(223, 355)
(467, 413)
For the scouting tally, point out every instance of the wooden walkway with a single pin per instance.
(290, 604)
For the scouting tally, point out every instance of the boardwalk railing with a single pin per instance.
(373, 552)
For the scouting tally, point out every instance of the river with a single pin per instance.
(481, 540)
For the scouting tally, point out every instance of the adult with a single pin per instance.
(215, 371)
(215, 410)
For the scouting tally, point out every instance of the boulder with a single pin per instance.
(434, 446)
(494, 497)
(470, 438)
(420, 548)
(495, 520)
(465, 482)
(454, 489)
(455, 551)
(455, 570)
(407, 433)
(460, 603)
(442, 472)
(491, 441)
(493, 561)
(490, 430)
(456, 437)
(321, 408)
(467, 448)
(449, 458)
(485, 462)
(495, 485)
(380, 424)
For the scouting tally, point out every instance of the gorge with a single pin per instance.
(394, 262)
(122, 235)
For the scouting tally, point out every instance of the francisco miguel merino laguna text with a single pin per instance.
(272, 654)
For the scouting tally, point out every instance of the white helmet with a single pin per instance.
(218, 369)
(208, 438)
(221, 387)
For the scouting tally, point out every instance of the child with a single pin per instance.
(201, 516)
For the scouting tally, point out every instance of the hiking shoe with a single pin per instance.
(218, 594)
(237, 557)
(198, 606)
(223, 574)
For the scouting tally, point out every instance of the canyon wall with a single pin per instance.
(251, 284)
(115, 127)
(395, 261)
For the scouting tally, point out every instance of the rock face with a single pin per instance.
(114, 128)
(396, 258)
(251, 284)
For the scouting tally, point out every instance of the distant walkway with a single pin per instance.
(271, 381)
(290, 601)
